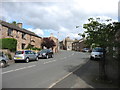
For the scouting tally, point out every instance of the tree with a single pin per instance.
(100, 34)
(48, 43)
(14, 23)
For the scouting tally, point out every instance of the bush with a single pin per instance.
(9, 56)
(36, 48)
(9, 43)
(32, 48)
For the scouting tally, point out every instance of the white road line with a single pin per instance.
(59, 80)
(73, 53)
(65, 77)
(19, 69)
(65, 57)
(49, 61)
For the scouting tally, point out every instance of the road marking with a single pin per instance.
(65, 77)
(64, 57)
(59, 80)
(49, 61)
(19, 69)
(73, 53)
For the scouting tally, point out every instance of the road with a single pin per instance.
(44, 73)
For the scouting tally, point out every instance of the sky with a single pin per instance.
(59, 17)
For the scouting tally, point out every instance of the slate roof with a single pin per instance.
(6, 24)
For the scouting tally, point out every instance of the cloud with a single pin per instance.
(60, 17)
(37, 31)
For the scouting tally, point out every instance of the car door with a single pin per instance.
(33, 56)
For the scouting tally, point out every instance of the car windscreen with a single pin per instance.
(97, 50)
(1, 55)
(19, 52)
(43, 51)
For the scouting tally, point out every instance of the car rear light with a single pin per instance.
(22, 52)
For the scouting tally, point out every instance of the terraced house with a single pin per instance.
(23, 36)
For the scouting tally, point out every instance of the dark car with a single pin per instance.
(3, 60)
(45, 53)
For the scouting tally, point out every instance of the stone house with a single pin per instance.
(23, 36)
(78, 45)
(67, 42)
(56, 47)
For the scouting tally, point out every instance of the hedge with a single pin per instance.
(9, 43)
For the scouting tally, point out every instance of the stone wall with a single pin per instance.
(35, 41)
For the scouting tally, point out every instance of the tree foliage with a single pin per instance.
(14, 23)
(48, 43)
(103, 34)
(100, 33)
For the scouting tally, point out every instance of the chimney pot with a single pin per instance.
(19, 25)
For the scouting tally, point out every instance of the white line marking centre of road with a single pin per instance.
(49, 61)
(18, 69)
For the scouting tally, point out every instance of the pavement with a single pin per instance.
(86, 77)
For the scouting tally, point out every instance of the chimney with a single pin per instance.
(51, 35)
(19, 25)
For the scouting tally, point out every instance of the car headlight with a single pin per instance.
(44, 54)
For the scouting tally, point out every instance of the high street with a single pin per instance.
(45, 73)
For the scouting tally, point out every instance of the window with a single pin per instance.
(23, 35)
(17, 34)
(10, 32)
(27, 52)
(23, 46)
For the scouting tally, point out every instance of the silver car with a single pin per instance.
(25, 55)
(3, 60)
(96, 53)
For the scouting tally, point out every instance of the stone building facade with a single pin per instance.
(78, 45)
(23, 36)
(67, 42)
(56, 47)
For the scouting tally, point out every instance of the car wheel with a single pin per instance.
(15, 61)
(52, 56)
(2, 64)
(27, 60)
(47, 56)
(91, 58)
(37, 59)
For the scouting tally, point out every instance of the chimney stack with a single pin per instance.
(19, 25)
(51, 35)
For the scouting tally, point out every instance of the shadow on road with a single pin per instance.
(89, 72)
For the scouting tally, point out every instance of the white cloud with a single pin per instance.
(37, 31)
(60, 17)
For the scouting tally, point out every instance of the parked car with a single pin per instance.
(45, 53)
(85, 50)
(3, 60)
(96, 53)
(25, 55)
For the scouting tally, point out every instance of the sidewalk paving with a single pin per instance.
(11, 62)
(89, 74)
(85, 77)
